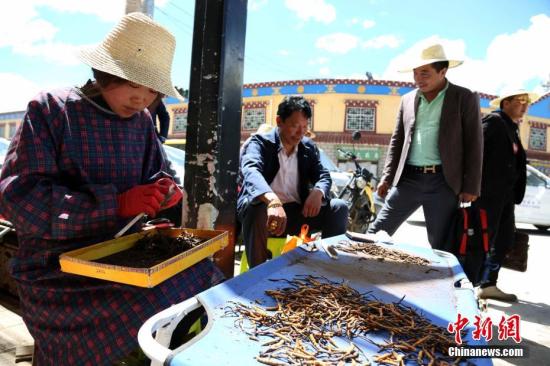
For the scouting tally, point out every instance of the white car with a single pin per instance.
(535, 207)
(4, 144)
(177, 158)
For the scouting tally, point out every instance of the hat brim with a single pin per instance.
(97, 58)
(418, 63)
(495, 103)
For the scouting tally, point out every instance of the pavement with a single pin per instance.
(533, 306)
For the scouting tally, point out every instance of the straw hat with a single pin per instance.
(434, 53)
(310, 134)
(138, 50)
(263, 128)
(512, 92)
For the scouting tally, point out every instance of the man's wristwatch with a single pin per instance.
(275, 203)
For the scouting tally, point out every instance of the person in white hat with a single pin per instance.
(84, 162)
(434, 156)
(503, 183)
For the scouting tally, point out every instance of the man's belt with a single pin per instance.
(427, 169)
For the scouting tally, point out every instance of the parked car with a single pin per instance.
(4, 144)
(177, 158)
(535, 207)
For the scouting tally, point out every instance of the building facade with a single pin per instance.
(340, 107)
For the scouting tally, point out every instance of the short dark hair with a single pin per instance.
(509, 99)
(105, 79)
(291, 104)
(440, 65)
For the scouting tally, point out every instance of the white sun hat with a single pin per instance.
(512, 92)
(429, 55)
(138, 50)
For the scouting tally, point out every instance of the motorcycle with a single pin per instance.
(358, 194)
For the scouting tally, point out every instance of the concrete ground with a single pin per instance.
(533, 305)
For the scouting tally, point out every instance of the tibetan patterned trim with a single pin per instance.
(361, 103)
(12, 115)
(485, 96)
(537, 124)
(328, 81)
(547, 95)
(541, 155)
(341, 138)
(182, 110)
(258, 104)
(345, 138)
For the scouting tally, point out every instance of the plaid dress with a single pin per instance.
(64, 168)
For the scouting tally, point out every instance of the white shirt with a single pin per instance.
(285, 184)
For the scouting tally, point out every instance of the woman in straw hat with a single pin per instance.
(83, 163)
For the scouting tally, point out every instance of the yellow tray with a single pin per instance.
(80, 261)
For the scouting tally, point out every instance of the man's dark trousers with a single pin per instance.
(428, 190)
(500, 222)
(332, 220)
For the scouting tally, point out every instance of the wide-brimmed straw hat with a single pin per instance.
(513, 92)
(434, 53)
(138, 50)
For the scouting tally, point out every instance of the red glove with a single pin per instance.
(145, 198)
(174, 195)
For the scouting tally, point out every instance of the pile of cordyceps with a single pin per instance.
(153, 249)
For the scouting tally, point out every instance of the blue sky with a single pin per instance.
(503, 43)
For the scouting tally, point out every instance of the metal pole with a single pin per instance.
(132, 6)
(148, 7)
(214, 119)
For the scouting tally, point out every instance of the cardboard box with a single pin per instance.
(80, 261)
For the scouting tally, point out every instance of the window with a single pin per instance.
(362, 119)
(310, 121)
(534, 180)
(254, 115)
(3, 130)
(361, 115)
(12, 129)
(537, 138)
(253, 118)
(180, 120)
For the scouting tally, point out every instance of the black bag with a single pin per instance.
(516, 257)
(468, 240)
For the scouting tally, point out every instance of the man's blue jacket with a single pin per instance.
(260, 164)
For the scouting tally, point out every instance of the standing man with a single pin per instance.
(157, 108)
(434, 158)
(502, 183)
(284, 184)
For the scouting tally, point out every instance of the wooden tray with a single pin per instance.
(81, 261)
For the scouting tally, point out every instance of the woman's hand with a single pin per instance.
(146, 198)
(174, 195)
